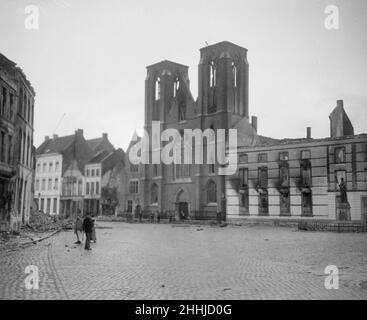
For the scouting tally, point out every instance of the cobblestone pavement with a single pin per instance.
(144, 261)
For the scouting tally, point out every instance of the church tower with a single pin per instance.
(223, 83)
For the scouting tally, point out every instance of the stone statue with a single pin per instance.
(343, 191)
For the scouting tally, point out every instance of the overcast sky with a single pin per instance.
(87, 59)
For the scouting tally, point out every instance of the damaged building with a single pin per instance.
(16, 145)
(282, 179)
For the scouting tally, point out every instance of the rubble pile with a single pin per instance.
(41, 222)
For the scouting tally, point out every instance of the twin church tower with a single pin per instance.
(193, 190)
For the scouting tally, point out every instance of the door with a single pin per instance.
(183, 210)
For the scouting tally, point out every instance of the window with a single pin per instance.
(10, 142)
(234, 75)
(87, 188)
(134, 186)
(283, 156)
(129, 206)
(44, 167)
(42, 207)
(157, 95)
(305, 154)
(2, 145)
(213, 74)
(48, 205)
(134, 168)
(50, 165)
(263, 178)
(97, 187)
(243, 172)
(263, 157)
(212, 192)
(284, 176)
(87, 172)
(49, 185)
(97, 172)
(154, 194)
(80, 187)
(38, 167)
(37, 187)
(340, 155)
(92, 188)
(92, 174)
(211, 168)
(56, 185)
(155, 170)
(306, 174)
(243, 158)
(57, 166)
(176, 86)
(55, 206)
(43, 186)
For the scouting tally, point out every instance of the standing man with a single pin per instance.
(88, 229)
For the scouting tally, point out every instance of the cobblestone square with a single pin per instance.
(162, 261)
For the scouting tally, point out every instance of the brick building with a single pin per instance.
(16, 145)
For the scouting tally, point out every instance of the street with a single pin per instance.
(152, 261)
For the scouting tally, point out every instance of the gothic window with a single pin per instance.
(212, 192)
(158, 89)
(234, 75)
(176, 86)
(154, 194)
(213, 74)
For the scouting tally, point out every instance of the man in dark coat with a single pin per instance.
(88, 229)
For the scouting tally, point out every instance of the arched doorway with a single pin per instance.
(182, 206)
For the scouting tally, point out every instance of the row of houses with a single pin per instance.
(16, 145)
(75, 175)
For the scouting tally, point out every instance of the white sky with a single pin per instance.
(88, 59)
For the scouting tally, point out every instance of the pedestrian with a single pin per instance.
(88, 229)
(78, 228)
(152, 217)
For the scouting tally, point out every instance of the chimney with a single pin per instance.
(79, 132)
(55, 136)
(339, 103)
(254, 122)
(105, 136)
(47, 138)
(309, 133)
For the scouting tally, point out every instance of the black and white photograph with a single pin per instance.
(190, 152)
